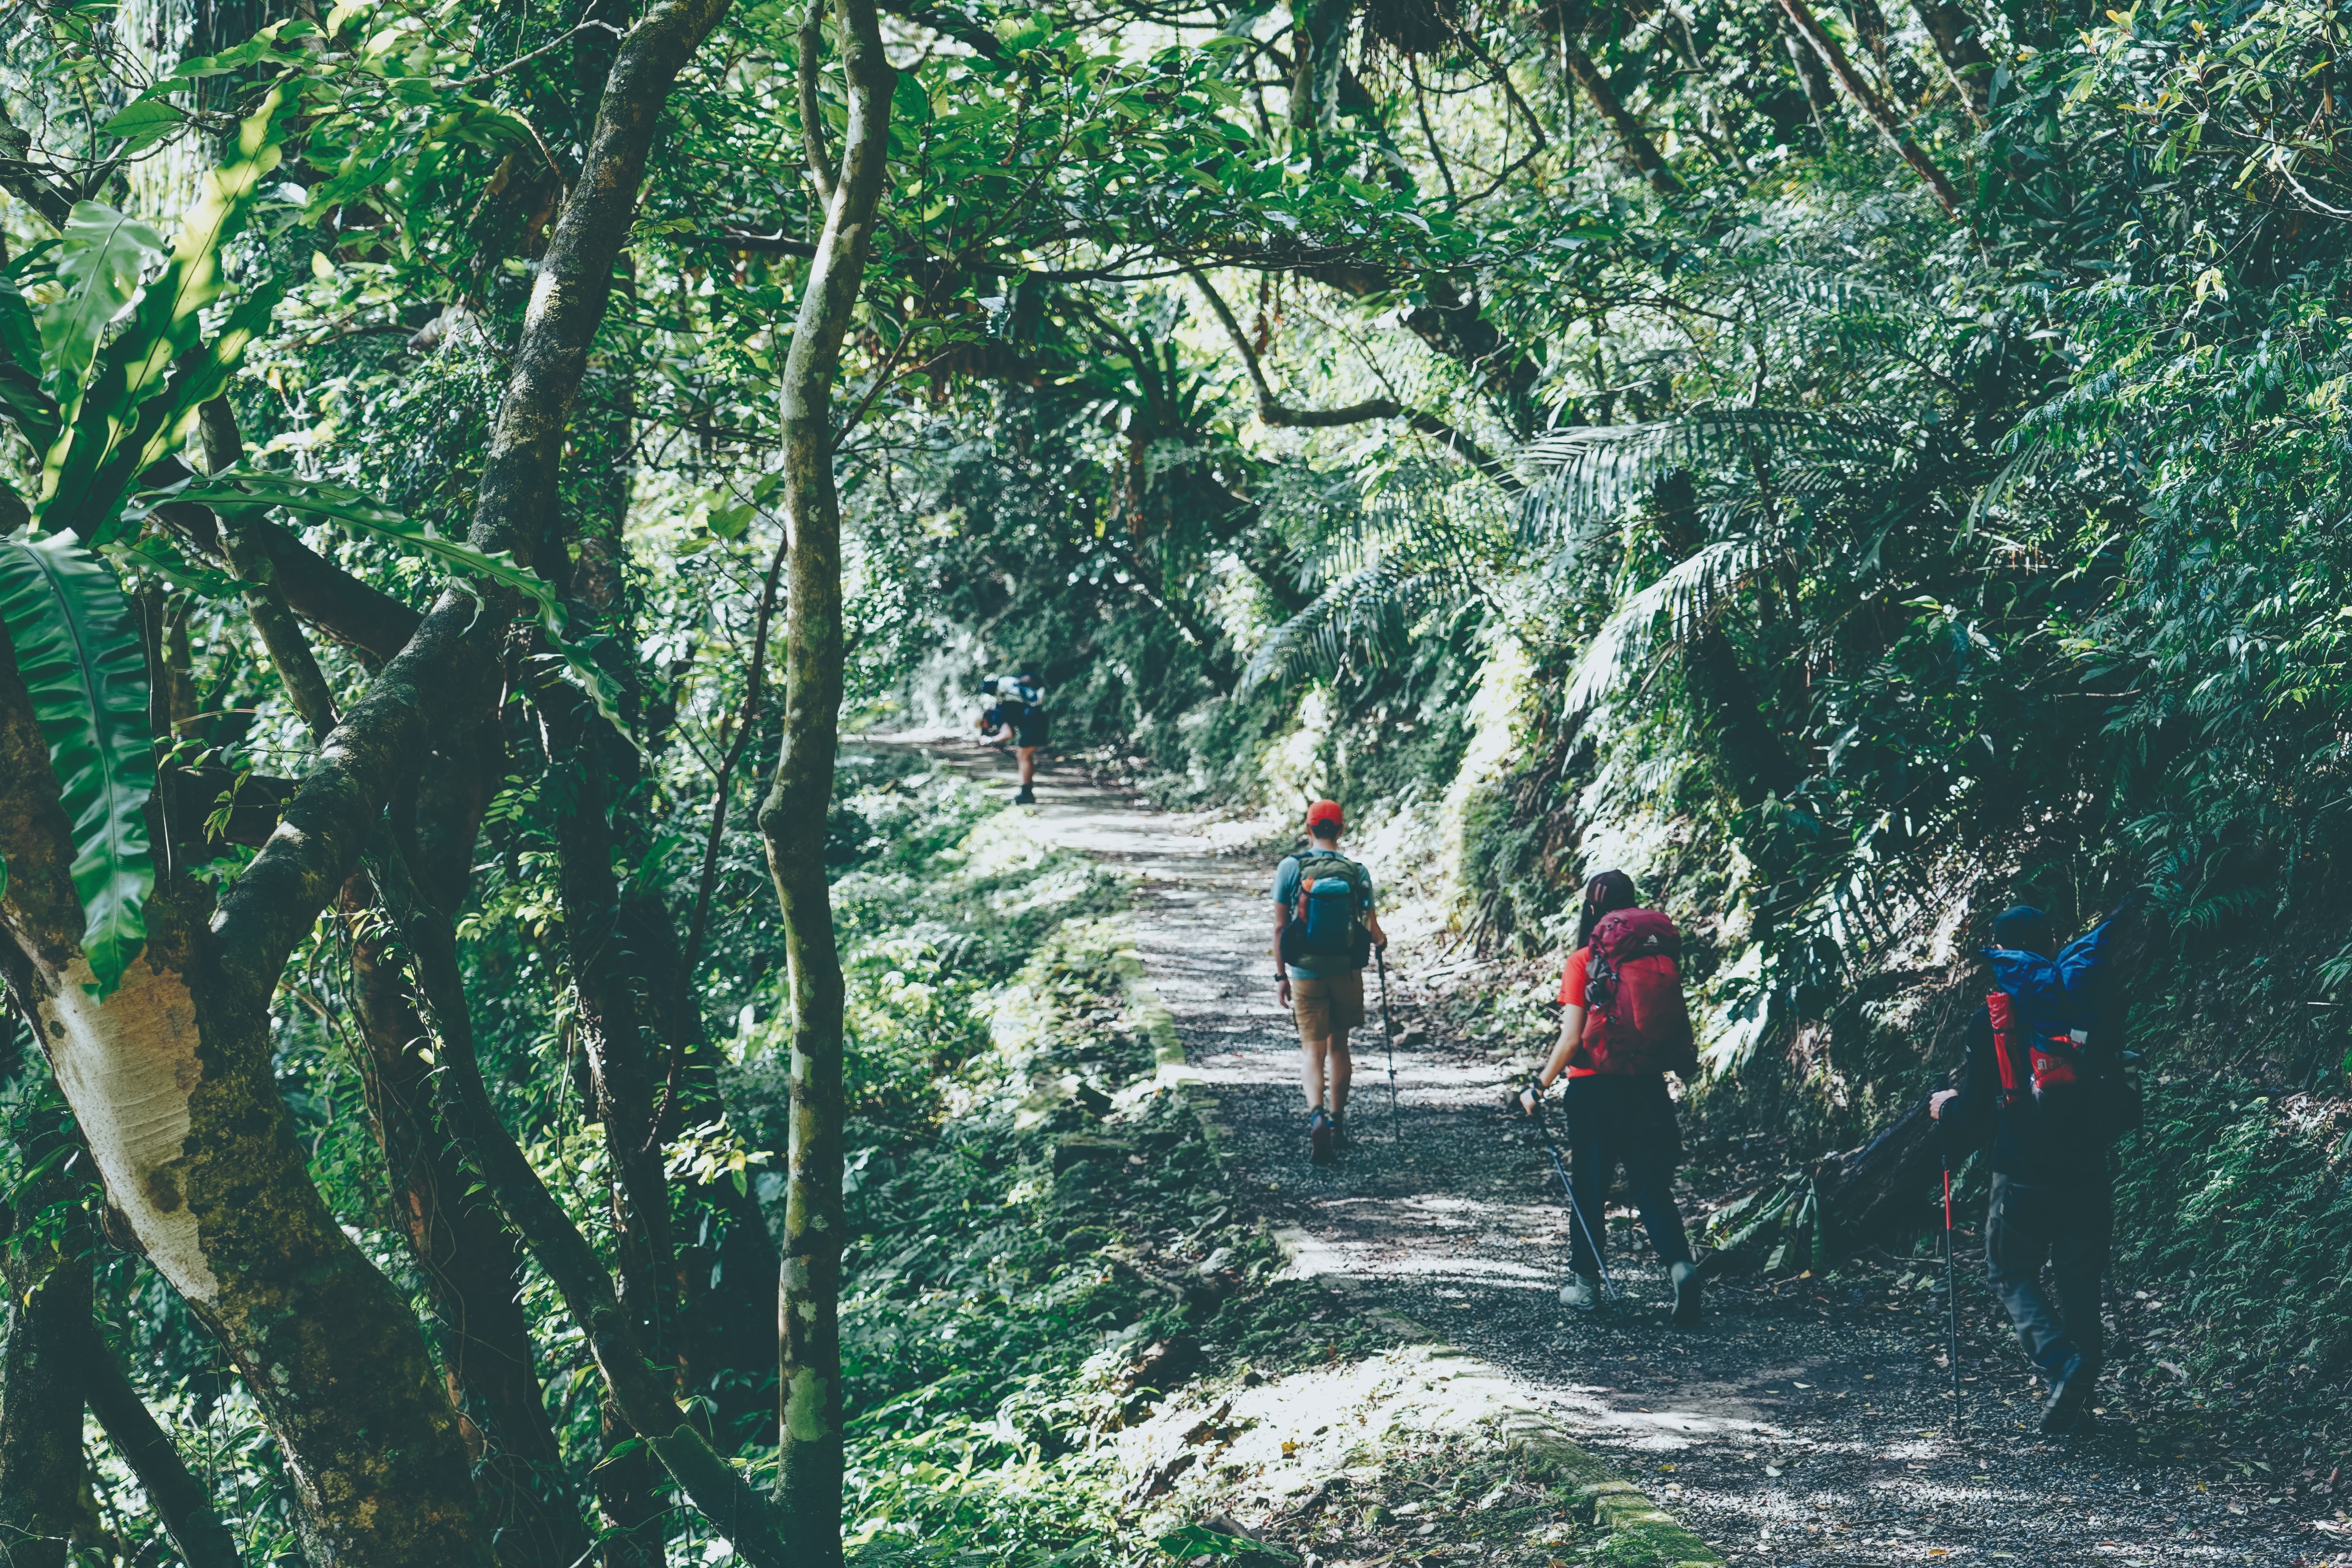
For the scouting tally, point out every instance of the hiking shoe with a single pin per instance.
(1581, 1292)
(1321, 1137)
(1339, 1131)
(2068, 1394)
(1026, 796)
(1686, 1287)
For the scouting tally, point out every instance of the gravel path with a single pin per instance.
(1804, 1425)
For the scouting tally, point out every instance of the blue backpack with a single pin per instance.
(1329, 920)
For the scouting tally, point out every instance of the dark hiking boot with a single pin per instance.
(1321, 1137)
(1339, 1131)
(1686, 1292)
(2068, 1394)
(1026, 796)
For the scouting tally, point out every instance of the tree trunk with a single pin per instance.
(462, 1249)
(171, 1080)
(44, 1491)
(1320, 48)
(171, 1077)
(472, 1272)
(640, 1392)
(182, 1504)
(1872, 105)
(793, 817)
(605, 984)
(1820, 91)
(609, 972)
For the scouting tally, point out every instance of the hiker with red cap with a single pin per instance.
(1324, 930)
(1623, 1025)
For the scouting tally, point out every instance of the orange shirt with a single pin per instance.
(1572, 992)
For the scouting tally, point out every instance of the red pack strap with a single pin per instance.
(2002, 1008)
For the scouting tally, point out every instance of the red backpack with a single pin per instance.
(1636, 1020)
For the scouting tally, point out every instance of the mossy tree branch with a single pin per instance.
(793, 816)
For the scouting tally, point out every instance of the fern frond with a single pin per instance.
(1682, 600)
(1366, 612)
(1580, 479)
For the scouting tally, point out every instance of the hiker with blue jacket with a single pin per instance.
(2044, 1077)
(1324, 930)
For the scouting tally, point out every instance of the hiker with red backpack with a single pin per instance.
(2045, 1077)
(1623, 1025)
(1324, 930)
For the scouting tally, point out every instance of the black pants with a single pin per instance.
(1617, 1119)
(2068, 1228)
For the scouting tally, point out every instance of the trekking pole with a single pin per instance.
(1951, 1279)
(1388, 1038)
(1576, 1211)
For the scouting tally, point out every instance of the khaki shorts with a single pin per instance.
(1324, 1007)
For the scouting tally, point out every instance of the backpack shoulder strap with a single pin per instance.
(2003, 1010)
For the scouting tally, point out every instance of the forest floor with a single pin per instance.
(1806, 1424)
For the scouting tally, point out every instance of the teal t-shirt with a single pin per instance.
(1285, 893)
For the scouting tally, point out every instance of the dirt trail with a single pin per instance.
(1801, 1426)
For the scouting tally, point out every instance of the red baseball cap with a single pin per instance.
(1325, 811)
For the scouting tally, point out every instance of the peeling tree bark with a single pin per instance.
(171, 1081)
(793, 817)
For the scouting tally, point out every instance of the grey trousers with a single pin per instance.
(2068, 1228)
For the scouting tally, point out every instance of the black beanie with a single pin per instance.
(2023, 927)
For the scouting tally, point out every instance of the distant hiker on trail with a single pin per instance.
(1324, 930)
(1017, 713)
(1623, 1025)
(2045, 1073)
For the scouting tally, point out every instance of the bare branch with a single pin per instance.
(1274, 412)
(1640, 150)
(1871, 104)
(547, 49)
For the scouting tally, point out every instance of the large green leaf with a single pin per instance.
(21, 398)
(102, 254)
(258, 488)
(255, 489)
(78, 649)
(112, 432)
(160, 424)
